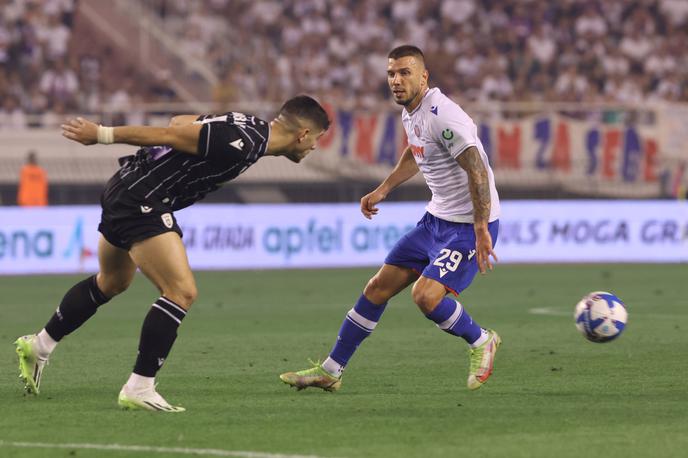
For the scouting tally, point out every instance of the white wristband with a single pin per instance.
(106, 135)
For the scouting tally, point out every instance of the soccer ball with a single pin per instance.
(600, 316)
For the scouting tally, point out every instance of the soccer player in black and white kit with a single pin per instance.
(139, 230)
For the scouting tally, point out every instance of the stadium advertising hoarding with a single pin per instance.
(64, 239)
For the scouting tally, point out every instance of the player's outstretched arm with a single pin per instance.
(479, 185)
(405, 169)
(183, 120)
(183, 138)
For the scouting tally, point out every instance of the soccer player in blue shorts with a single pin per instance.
(451, 243)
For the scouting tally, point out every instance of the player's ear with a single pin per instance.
(303, 133)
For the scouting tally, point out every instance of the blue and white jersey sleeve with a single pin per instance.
(454, 130)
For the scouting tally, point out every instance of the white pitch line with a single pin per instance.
(149, 449)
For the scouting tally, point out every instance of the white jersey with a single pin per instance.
(438, 131)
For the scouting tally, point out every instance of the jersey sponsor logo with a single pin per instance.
(238, 144)
(161, 361)
(418, 151)
(416, 130)
(471, 254)
(167, 220)
(447, 134)
(433, 110)
(146, 209)
(443, 272)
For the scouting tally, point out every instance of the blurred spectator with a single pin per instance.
(660, 62)
(468, 66)
(676, 11)
(54, 35)
(5, 41)
(33, 184)
(119, 103)
(570, 84)
(542, 46)
(12, 116)
(636, 45)
(161, 89)
(36, 104)
(458, 11)
(591, 23)
(55, 116)
(496, 85)
(59, 83)
(631, 90)
(669, 88)
(614, 61)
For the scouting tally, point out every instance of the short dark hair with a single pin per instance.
(406, 50)
(305, 107)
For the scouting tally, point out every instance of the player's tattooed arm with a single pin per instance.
(479, 186)
(183, 138)
(405, 169)
(478, 183)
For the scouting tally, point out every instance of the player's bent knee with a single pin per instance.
(184, 296)
(425, 298)
(111, 286)
(376, 292)
(372, 286)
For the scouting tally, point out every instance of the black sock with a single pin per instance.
(77, 306)
(158, 333)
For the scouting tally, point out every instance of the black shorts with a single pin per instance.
(128, 217)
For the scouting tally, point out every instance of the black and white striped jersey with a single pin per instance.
(228, 145)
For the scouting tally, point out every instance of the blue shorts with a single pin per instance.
(441, 250)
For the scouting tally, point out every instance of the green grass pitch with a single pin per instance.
(553, 394)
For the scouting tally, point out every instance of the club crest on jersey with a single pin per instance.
(447, 134)
(416, 130)
(167, 220)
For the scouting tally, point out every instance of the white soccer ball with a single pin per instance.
(601, 316)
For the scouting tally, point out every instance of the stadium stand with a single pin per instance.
(615, 62)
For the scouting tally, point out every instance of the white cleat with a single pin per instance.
(147, 399)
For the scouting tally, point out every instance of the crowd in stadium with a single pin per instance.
(36, 76)
(627, 51)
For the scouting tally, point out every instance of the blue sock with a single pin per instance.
(358, 324)
(451, 317)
